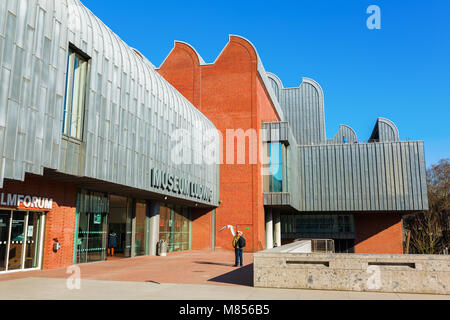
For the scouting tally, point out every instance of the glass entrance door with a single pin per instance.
(91, 244)
(141, 232)
(175, 227)
(33, 239)
(20, 240)
(120, 221)
(97, 237)
(92, 209)
(16, 241)
(5, 217)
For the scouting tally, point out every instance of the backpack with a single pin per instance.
(242, 242)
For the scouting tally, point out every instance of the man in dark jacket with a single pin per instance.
(112, 243)
(238, 244)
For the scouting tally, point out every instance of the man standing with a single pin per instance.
(238, 244)
(112, 243)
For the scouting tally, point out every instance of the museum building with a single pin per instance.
(85, 144)
(86, 148)
(307, 186)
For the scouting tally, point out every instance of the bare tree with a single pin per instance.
(430, 230)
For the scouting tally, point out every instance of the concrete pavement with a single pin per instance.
(56, 289)
(192, 267)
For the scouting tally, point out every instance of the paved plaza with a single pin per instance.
(194, 275)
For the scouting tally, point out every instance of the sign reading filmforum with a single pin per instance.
(15, 200)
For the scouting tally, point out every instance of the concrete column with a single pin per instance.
(269, 228)
(133, 228)
(277, 228)
(153, 213)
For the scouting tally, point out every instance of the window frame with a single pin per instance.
(275, 162)
(68, 116)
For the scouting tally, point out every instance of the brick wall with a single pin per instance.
(378, 233)
(231, 94)
(59, 222)
(201, 229)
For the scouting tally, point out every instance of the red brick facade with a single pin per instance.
(378, 233)
(231, 94)
(59, 221)
(201, 229)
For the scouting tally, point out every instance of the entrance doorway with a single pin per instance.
(141, 230)
(344, 245)
(101, 214)
(20, 240)
(120, 222)
(92, 210)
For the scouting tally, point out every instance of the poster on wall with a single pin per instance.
(30, 231)
(97, 218)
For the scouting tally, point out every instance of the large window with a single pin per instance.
(317, 223)
(273, 170)
(141, 233)
(20, 240)
(175, 227)
(340, 228)
(77, 71)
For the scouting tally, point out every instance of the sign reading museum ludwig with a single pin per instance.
(172, 183)
(15, 200)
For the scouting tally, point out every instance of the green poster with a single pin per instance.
(97, 218)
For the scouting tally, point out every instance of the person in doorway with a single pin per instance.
(238, 244)
(112, 243)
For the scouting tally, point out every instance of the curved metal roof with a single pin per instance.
(130, 111)
(85, 26)
(344, 132)
(385, 131)
(303, 107)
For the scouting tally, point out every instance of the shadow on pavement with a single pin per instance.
(215, 263)
(240, 276)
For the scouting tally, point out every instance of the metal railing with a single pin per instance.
(321, 245)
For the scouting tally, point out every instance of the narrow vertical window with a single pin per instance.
(77, 69)
(273, 169)
(276, 167)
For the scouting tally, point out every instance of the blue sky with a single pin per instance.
(400, 72)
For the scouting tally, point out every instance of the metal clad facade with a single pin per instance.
(342, 175)
(344, 133)
(130, 109)
(362, 177)
(385, 131)
(303, 108)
